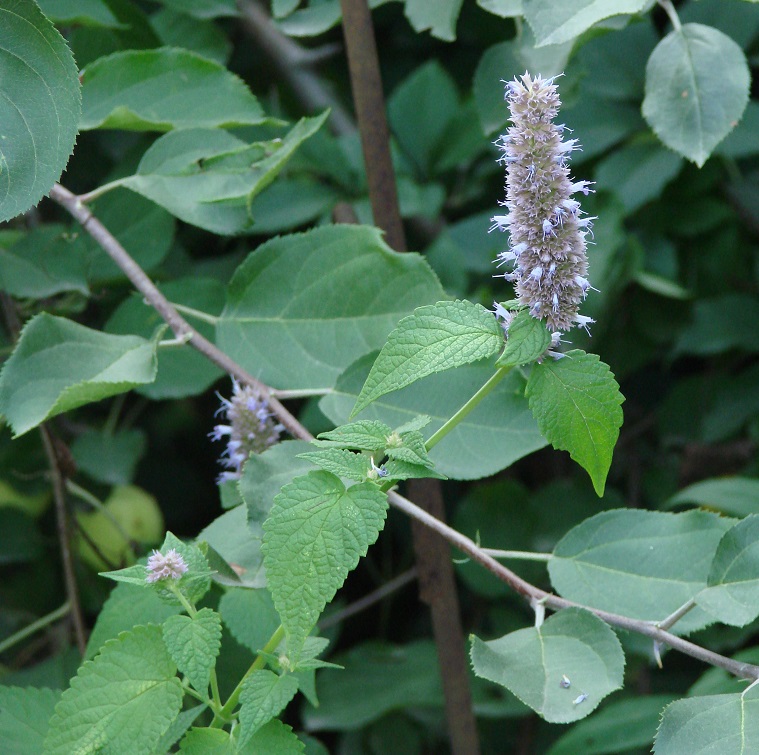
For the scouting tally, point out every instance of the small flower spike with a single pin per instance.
(160, 566)
(250, 428)
(546, 230)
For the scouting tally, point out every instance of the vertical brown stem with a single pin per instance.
(369, 101)
(438, 587)
(64, 536)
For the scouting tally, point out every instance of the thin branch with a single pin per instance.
(554, 602)
(517, 555)
(370, 599)
(64, 537)
(675, 616)
(41, 623)
(154, 297)
(70, 202)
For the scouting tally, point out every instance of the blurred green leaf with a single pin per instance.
(697, 83)
(59, 365)
(24, 716)
(109, 457)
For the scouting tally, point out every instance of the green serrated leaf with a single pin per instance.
(58, 365)
(576, 402)
(250, 616)
(275, 738)
(732, 592)
(123, 700)
(497, 433)
(288, 317)
(724, 724)
(24, 716)
(528, 339)
(314, 536)
(159, 90)
(127, 606)
(642, 564)
(413, 449)
(340, 462)
(557, 21)
(208, 177)
(697, 87)
(193, 644)
(532, 663)
(364, 435)
(264, 695)
(39, 106)
(264, 475)
(435, 338)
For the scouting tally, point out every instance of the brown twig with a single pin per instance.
(58, 477)
(156, 299)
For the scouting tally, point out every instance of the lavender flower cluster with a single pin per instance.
(169, 565)
(251, 429)
(547, 235)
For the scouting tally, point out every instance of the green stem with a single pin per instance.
(215, 696)
(518, 555)
(189, 607)
(35, 626)
(225, 713)
(90, 196)
(196, 313)
(672, 13)
(499, 375)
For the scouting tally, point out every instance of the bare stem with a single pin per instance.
(675, 616)
(143, 284)
(518, 555)
(35, 626)
(64, 537)
(672, 13)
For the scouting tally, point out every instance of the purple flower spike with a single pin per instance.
(251, 429)
(546, 230)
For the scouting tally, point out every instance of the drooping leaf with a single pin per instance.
(193, 644)
(697, 87)
(556, 21)
(203, 8)
(39, 106)
(732, 592)
(58, 365)
(264, 696)
(439, 17)
(719, 324)
(572, 644)
(576, 402)
(125, 698)
(24, 716)
(642, 564)
(204, 37)
(250, 616)
(494, 435)
(207, 177)
(164, 89)
(315, 534)
(724, 724)
(434, 338)
(301, 308)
